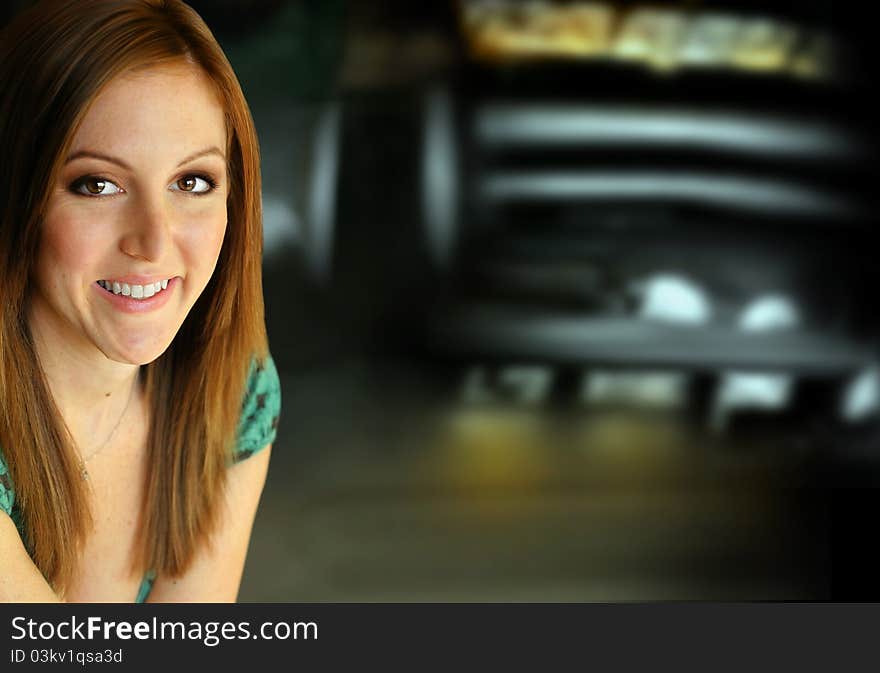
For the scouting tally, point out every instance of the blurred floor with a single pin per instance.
(384, 487)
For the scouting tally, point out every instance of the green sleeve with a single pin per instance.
(261, 408)
(7, 493)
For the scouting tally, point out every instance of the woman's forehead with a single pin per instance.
(166, 107)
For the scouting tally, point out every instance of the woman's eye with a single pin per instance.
(193, 184)
(92, 186)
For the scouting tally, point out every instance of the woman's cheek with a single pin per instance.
(203, 238)
(71, 238)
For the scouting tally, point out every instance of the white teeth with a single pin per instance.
(134, 291)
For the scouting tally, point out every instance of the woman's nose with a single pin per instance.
(147, 230)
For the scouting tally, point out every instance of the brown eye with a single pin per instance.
(95, 186)
(193, 184)
(187, 184)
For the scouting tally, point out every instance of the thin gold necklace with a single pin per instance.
(83, 470)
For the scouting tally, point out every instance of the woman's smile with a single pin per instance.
(137, 298)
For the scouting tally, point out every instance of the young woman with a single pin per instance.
(138, 400)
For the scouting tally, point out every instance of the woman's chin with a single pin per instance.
(141, 354)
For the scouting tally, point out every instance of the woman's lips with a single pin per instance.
(131, 305)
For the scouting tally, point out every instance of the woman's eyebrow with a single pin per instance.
(198, 155)
(119, 162)
(97, 155)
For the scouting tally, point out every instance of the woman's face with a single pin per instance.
(135, 223)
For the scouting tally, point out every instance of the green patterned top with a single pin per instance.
(257, 429)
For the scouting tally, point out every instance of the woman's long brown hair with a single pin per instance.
(54, 60)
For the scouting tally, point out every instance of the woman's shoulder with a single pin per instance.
(260, 409)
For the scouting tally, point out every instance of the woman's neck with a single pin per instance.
(91, 391)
